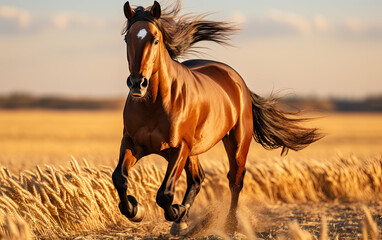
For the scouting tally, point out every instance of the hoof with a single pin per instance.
(179, 229)
(140, 214)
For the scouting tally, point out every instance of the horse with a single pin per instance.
(180, 110)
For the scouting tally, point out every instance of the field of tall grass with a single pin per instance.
(47, 193)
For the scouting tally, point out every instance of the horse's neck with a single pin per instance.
(171, 79)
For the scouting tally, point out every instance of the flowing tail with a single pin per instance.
(274, 128)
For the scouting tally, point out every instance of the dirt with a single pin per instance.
(344, 221)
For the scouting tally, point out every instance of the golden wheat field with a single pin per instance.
(55, 182)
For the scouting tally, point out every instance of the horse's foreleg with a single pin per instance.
(176, 158)
(195, 177)
(128, 204)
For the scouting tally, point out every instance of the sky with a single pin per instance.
(305, 48)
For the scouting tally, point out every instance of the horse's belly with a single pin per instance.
(210, 136)
(206, 144)
(200, 148)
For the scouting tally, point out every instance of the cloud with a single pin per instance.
(18, 21)
(354, 25)
(289, 20)
(321, 23)
(357, 29)
(238, 18)
(65, 20)
(14, 20)
(22, 17)
(277, 23)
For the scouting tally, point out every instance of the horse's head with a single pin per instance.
(143, 41)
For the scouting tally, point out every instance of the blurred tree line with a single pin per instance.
(27, 101)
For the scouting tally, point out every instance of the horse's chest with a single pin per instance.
(152, 135)
(153, 140)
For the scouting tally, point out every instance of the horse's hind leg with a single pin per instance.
(195, 177)
(237, 145)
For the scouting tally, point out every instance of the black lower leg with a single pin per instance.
(164, 200)
(194, 182)
(128, 204)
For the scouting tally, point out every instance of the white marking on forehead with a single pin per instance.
(142, 33)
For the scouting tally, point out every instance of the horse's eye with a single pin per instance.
(156, 42)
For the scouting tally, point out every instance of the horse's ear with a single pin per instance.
(129, 12)
(155, 10)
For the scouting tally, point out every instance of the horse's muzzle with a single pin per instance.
(137, 85)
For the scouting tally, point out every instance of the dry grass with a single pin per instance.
(67, 202)
(346, 179)
(60, 202)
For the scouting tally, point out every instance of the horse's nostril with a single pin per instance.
(144, 83)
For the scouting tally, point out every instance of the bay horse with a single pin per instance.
(180, 110)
